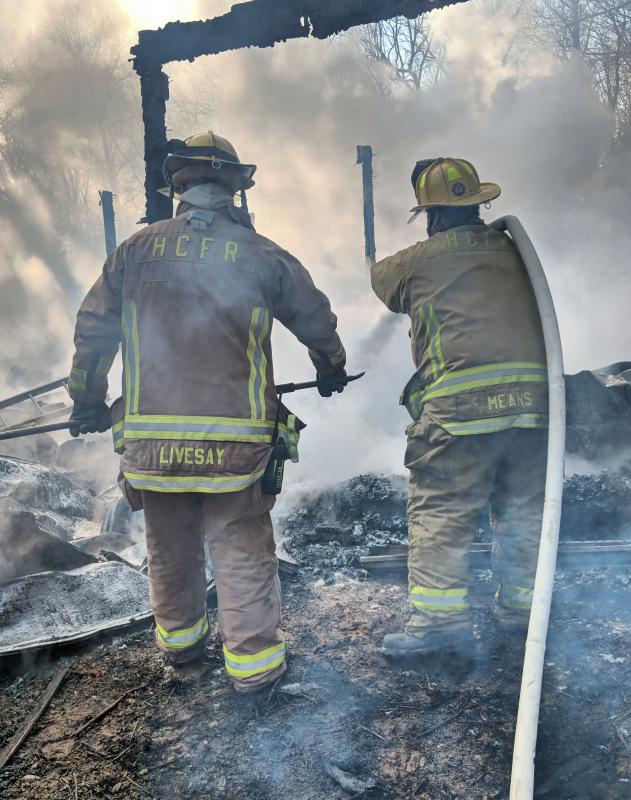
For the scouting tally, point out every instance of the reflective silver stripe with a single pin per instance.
(255, 666)
(259, 430)
(488, 375)
(440, 600)
(498, 423)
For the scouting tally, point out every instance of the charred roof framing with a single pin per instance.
(257, 23)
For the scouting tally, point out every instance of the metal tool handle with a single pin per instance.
(33, 431)
(287, 388)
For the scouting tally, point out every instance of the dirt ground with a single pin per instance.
(343, 722)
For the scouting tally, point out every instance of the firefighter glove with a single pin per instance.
(87, 418)
(335, 382)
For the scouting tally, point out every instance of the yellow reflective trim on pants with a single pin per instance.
(246, 666)
(176, 484)
(183, 637)
(439, 600)
(516, 597)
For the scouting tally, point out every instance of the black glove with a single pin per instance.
(86, 418)
(335, 382)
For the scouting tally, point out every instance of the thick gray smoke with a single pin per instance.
(534, 125)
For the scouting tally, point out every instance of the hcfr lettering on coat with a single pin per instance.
(180, 247)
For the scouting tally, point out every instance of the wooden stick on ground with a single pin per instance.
(19, 737)
(107, 710)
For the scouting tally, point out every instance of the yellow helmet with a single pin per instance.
(208, 146)
(451, 182)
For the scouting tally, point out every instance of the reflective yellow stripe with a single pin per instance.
(495, 424)
(198, 428)
(78, 379)
(517, 597)
(117, 435)
(292, 438)
(465, 166)
(192, 483)
(183, 637)
(460, 380)
(259, 329)
(131, 359)
(136, 346)
(439, 600)
(453, 174)
(486, 375)
(255, 664)
(432, 339)
(263, 364)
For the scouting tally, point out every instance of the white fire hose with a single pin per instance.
(523, 770)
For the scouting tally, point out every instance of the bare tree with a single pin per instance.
(406, 48)
(599, 31)
(70, 117)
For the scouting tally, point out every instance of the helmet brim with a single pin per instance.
(488, 192)
(240, 174)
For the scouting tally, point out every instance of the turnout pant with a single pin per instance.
(241, 543)
(452, 478)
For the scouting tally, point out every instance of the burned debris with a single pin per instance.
(257, 23)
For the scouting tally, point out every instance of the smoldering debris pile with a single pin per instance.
(57, 582)
(597, 506)
(328, 532)
(42, 511)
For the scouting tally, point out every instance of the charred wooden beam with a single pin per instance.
(257, 23)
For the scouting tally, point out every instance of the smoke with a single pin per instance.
(298, 110)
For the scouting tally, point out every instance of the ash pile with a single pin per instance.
(66, 573)
(328, 533)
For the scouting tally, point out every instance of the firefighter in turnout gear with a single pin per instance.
(193, 299)
(478, 403)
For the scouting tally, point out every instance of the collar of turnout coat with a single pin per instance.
(213, 197)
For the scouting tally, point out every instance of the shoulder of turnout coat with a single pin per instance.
(475, 331)
(193, 299)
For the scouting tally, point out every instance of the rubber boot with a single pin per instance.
(405, 645)
(185, 655)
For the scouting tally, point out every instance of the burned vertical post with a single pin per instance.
(364, 157)
(109, 221)
(250, 23)
(154, 92)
